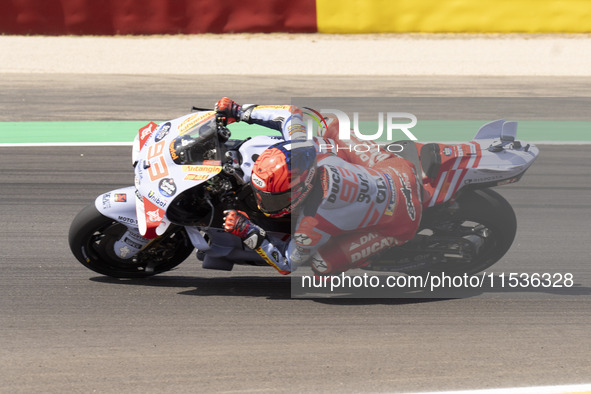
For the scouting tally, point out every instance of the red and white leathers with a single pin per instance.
(365, 200)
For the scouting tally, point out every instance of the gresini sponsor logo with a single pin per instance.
(147, 130)
(124, 251)
(394, 121)
(145, 133)
(154, 216)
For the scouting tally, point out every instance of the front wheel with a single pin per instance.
(92, 236)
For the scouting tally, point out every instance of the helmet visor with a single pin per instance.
(272, 203)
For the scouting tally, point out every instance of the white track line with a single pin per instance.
(575, 388)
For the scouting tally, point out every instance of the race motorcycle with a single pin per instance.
(188, 171)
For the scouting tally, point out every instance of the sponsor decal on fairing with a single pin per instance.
(167, 187)
(163, 132)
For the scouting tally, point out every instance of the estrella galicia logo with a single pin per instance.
(163, 132)
(167, 187)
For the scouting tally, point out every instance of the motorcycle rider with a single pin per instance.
(347, 204)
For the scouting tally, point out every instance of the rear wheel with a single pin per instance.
(93, 235)
(466, 238)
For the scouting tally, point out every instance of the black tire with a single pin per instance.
(489, 209)
(91, 238)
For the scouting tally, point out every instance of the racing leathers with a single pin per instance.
(364, 200)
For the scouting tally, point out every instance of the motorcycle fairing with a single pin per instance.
(119, 205)
(492, 158)
(145, 133)
(159, 179)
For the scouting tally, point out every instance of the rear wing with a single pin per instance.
(498, 129)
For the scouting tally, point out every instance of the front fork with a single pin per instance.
(119, 205)
(130, 244)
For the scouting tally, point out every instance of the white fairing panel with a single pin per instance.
(159, 179)
(252, 149)
(119, 205)
(507, 163)
(490, 130)
(493, 158)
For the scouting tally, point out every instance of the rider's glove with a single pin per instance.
(227, 111)
(238, 223)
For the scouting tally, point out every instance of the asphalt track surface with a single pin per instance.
(66, 329)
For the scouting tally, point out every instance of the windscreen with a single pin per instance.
(199, 146)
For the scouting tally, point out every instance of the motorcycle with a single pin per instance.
(188, 172)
